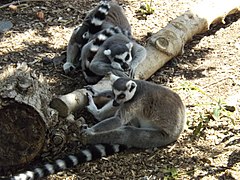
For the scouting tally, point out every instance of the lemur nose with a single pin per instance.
(125, 66)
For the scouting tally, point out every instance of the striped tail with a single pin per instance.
(103, 36)
(95, 24)
(92, 153)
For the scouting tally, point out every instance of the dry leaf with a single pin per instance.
(40, 15)
(13, 7)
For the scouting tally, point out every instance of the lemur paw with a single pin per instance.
(91, 107)
(68, 67)
(91, 90)
(85, 135)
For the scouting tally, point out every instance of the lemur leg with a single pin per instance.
(106, 125)
(75, 44)
(128, 135)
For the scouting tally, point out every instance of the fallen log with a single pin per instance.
(163, 46)
(169, 41)
(25, 115)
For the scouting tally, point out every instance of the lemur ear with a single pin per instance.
(129, 45)
(113, 77)
(131, 85)
(107, 52)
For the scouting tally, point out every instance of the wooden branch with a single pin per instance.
(169, 42)
(66, 104)
(71, 102)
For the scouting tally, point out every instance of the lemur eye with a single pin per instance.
(127, 57)
(117, 60)
(121, 96)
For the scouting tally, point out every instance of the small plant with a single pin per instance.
(170, 173)
(216, 109)
(221, 110)
(146, 8)
(203, 122)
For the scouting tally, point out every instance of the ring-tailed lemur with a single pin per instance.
(111, 52)
(148, 115)
(112, 49)
(91, 48)
(108, 13)
(92, 24)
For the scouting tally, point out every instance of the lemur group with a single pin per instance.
(139, 114)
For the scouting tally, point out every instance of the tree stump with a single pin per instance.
(24, 115)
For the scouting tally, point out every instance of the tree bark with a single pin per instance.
(24, 115)
(166, 44)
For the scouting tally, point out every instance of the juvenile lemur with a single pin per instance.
(109, 48)
(148, 116)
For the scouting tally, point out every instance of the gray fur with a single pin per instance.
(81, 35)
(148, 116)
(94, 62)
(102, 64)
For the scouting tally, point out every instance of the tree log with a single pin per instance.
(24, 115)
(68, 103)
(164, 45)
(169, 42)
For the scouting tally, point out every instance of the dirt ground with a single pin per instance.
(206, 76)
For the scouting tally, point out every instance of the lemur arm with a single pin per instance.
(108, 110)
(100, 65)
(139, 54)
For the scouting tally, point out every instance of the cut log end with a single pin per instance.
(22, 134)
(60, 106)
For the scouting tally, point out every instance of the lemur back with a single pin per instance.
(91, 49)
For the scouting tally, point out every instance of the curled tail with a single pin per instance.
(88, 154)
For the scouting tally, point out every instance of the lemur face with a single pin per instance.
(123, 91)
(120, 61)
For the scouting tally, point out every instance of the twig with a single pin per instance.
(17, 2)
(218, 81)
(66, 77)
(172, 147)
